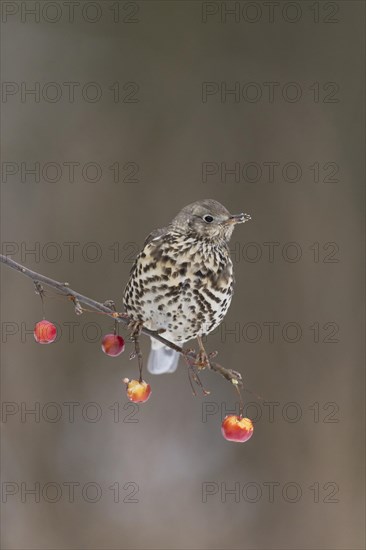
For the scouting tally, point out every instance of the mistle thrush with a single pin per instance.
(182, 280)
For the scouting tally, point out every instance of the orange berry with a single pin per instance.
(138, 392)
(237, 428)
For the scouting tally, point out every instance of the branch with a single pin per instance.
(64, 289)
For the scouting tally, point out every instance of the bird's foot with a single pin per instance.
(135, 327)
(190, 357)
(202, 360)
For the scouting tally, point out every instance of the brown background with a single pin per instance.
(170, 452)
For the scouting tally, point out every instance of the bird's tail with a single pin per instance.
(162, 359)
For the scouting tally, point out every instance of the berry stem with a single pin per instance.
(40, 292)
(241, 402)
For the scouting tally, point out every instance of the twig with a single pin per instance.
(77, 299)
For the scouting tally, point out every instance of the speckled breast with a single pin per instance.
(181, 284)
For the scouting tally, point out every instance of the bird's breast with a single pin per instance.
(182, 285)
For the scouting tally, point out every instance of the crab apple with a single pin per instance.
(113, 345)
(45, 332)
(137, 391)
(237, 428)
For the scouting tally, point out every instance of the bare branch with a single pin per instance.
(77, 299)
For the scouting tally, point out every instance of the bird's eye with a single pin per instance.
(208, 219)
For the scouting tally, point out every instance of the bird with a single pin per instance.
(181, 283)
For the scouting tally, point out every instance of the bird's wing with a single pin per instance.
(155, 234)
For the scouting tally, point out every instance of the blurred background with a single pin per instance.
(114, 116)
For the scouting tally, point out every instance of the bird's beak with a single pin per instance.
(238, 218)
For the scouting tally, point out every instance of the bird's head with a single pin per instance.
(208, 219)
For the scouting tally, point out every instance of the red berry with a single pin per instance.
(45, 332)
(113, 345)
(237, 428)
(138, 392)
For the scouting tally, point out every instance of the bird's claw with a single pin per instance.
(135, 327)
